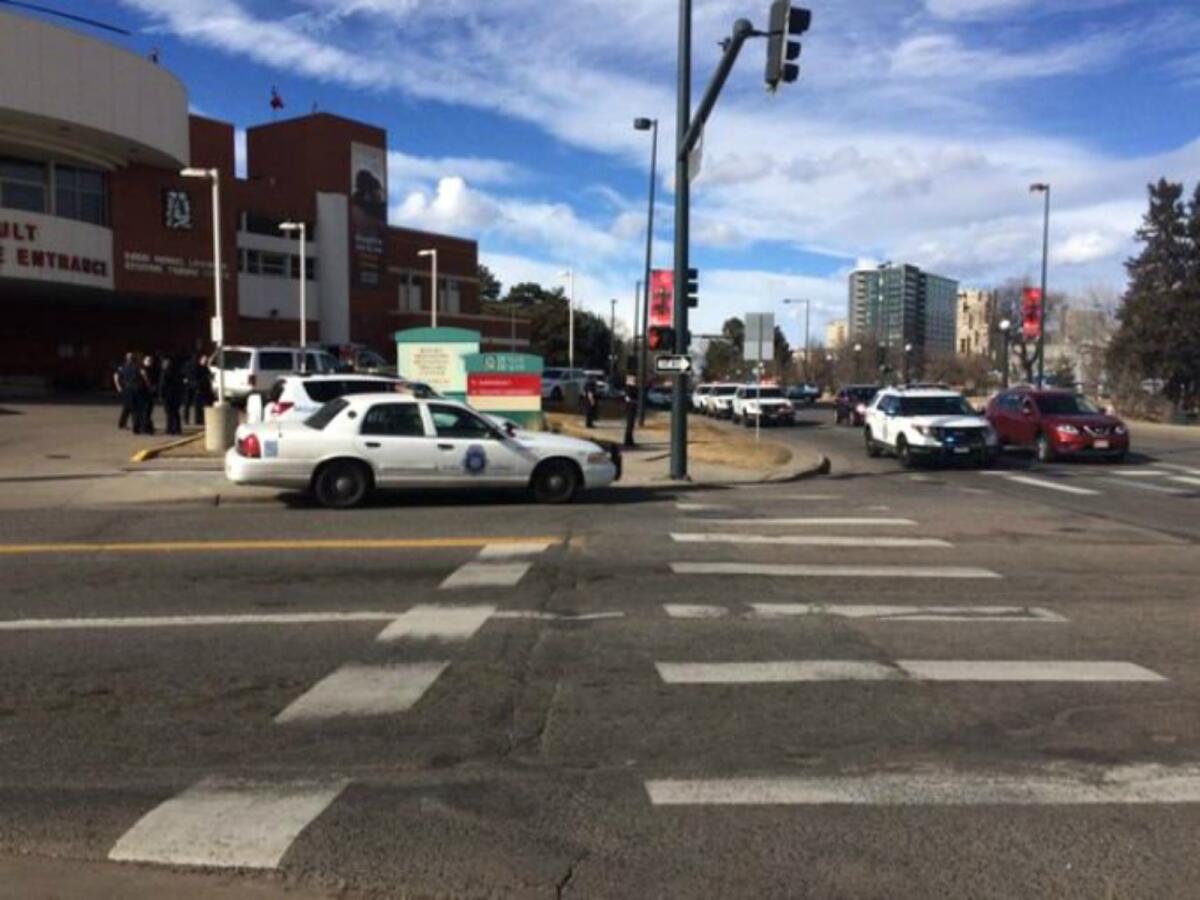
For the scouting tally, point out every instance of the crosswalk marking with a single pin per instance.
(807, 670)
(808, 540)
(227, 824)
(700, 507)
(1175, 467)
(886, 613)
(306, 618)
(694, 611)
(848, 520)
(486, 574)
(1183, 479)
(359, 690)
(829, 571)
(1051, 485)
(444, 623)
(507, 551)
(1138, 473)
(1044, 785)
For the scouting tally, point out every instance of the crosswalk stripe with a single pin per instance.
(694, 611)
(444, 623)
(887, 613)
(829, 571)
(700, 507)
(1183, 479)
(1044, 785)
(1051, 485)
(309, 618)
(227, 824)
(808, 670)
(1175, 467)
(851, 520)
(507, 551)
(1138, 473)
(808, 540)
(358, 690)
(486, 574)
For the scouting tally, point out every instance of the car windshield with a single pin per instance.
(233, 359)
(935, 406)
(1065, 405)
(725, 390)
(767, 393)
(326, 414)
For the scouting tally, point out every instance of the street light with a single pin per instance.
(433, 278)
(1005, 325)
(908, 348)
(570, 276)
(218, 419)
(612, 341)
(651, 125)
(1042, 187)
(858, 362)
(807, 305)
(301, 229)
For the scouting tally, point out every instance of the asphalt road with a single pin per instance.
(876, 684)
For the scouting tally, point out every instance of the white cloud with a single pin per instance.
(404, 169)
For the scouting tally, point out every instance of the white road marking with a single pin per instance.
(829, 571)
(507, 551)
(356, 690)
(1138, 473)
(1044, 785)
(908, 613)
(850, 520)
(788, 671)
(539, 616)
(441, 623)
(699, 507)
(227, 824)
(1156, 488)
(1175, 467)
(1183, 479)
(807, 540)
(1051, 485)
(694, 611)
(777, 672)
(485, 574)
(312, 618)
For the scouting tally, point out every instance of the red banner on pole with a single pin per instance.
(1031, 313)
(662, 298)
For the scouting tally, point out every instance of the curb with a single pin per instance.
(150, 453)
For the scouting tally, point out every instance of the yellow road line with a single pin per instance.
(226, 546)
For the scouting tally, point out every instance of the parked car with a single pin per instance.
(558, 383)
(928, 424)
(1057, 424)
(356, 444)
(719, 403)
(806, 394)
(658, 398)
(762, 403)
(299, 396)
(699, 396)
(850, 403)
(254, 370)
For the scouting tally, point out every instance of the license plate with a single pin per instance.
(1100, 445)
(962, 449)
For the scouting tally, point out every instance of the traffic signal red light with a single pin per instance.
(1031, 313)
(661, 339)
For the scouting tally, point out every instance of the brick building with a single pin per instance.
(105, 247)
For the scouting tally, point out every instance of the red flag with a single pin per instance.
(276, 100)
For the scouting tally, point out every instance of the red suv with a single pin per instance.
(1056, 424)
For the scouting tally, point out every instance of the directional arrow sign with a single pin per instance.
(673, 364)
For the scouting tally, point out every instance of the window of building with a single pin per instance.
(80, 194)
(451, 297)
(310, 267)
(22, 184)
(252, 262)
(272, 263)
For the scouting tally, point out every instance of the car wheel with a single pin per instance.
(555, 482)
(1044, 449)
(872, 447)
(903, 453)
(342, 484)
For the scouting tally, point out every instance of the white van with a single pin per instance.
(254, 370)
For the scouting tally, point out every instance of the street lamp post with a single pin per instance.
(1044, 189)
(1005, 325)
(302, 229)
(858, 362)
(612, 341)
(433, 279)
(219, 418)
(908, 348)
(807, 307)
(650, 125)
(570, 276)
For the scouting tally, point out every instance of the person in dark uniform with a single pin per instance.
(170, 392)
(147, 388)
(631, 407)
(204, 388)
(125, 380)
(190, 372)
(590, 401)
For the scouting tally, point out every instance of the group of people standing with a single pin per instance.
(183, 387)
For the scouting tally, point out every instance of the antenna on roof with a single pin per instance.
(83, 20)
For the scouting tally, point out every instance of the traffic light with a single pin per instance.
(693, 288)
(661, 339)
(786, 23)
(1031, 313)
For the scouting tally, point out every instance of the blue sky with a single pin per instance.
(913, 134)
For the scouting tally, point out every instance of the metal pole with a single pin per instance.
(1042, 308)
(1004, 363)
(612, 340)
(639, 368)
(303, 302)
(683, 109)
(642, 361)
(807, 310)
(571, 321)
(218, 299)
(434, 300)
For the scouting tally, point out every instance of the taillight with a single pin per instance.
(249, 447)
(280, 407)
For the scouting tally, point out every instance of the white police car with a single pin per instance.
(355, 444)
(933, 424)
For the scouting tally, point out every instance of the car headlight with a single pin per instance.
(926, 431)
(596, 459)
(1066, 429)
(1120, 429)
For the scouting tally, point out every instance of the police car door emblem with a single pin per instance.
(476, 460)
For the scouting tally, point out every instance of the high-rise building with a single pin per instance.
(896, 305)
(836, 333)
(976, 322)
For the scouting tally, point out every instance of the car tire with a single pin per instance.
(342, 484)
(1043, 449)
(904, 454)
(555, 481)
(873, 450)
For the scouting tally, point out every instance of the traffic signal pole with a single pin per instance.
(683, 115)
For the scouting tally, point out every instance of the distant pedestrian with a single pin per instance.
(631, 408)
(125, 380)
(591, 402)
(147, 389)
(170, 392)
(190, 374)
(204, 388)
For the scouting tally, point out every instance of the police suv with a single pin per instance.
(932, 424)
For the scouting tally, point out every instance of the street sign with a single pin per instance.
(758, 344)
(677, 364)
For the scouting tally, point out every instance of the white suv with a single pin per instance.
(719, 400)
(254, 370)
(928, 423)
(299, 396)
(764, 403)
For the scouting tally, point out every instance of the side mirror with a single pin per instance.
(510, 429)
